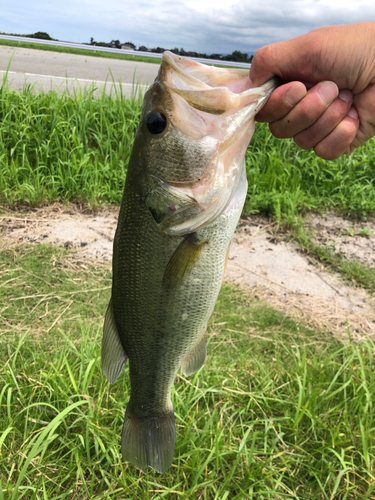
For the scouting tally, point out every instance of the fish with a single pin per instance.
(185, 189)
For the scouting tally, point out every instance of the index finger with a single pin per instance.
(282, 100)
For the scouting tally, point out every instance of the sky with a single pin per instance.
(209, 26)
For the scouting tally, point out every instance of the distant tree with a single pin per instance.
(115, 43)
(159, 50)
(92, 41)
(175, 50)
(41, 35)
(237, 56)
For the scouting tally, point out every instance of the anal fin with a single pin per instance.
(113, 354)
(197, 356)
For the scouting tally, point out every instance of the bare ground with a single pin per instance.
(352, 239)
(273, 270)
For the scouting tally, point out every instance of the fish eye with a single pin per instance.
(156, 122)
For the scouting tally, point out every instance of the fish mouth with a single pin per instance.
(225, 102)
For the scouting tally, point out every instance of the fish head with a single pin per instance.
(196, 124)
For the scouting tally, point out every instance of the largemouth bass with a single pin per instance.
(185, 189)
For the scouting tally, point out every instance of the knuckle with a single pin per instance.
(334, 145)
(346, 131)
(308, 110)
(262, 55)
(279, 130)
(326, 153)
(304, 140)
(338, 110)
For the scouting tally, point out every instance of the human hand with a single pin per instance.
(327, 97)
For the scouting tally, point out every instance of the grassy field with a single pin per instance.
(278, 411)
(285, 180)
(83, 52)
(76, 148)
(65, 146)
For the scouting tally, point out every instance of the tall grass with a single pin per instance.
(61, 146)
(278, 411)
(65, 146)
(285, 180)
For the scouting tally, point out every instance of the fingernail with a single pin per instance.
(353, 113)
(294, 95)
(346, 95)
(328, 91)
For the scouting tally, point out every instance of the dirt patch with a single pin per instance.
(273, 270)
(88, 233)
(290, 281)
(351, 239)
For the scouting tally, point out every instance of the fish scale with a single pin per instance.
(166, 276)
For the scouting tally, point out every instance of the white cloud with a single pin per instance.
(201, 25)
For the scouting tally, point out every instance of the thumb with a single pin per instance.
(264, 65)
(290, 60)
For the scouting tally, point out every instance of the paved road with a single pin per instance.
(55, 70)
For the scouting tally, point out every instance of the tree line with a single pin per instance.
(236, 56)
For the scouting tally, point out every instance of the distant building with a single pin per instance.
(128, 46)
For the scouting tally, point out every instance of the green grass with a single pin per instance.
(76, 147)
(278, 411)
(285, 181)
(83, 52)
(70, 146)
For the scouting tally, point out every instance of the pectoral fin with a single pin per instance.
(194, 361)
(182, 261)
(113, 354)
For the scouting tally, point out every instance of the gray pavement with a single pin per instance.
(57, 70)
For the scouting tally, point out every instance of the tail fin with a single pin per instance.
(149, 441)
